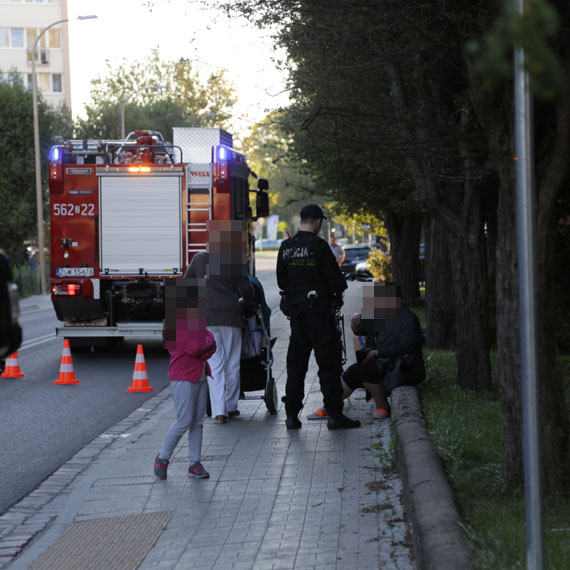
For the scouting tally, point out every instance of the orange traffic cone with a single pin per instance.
(66, 374)
(140, 377)
(12, 369)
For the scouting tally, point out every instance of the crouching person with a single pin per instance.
(190, 345)
(392, 352)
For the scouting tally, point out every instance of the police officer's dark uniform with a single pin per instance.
(312, 283)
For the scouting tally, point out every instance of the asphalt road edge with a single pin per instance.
(437, 528)
(29, 518)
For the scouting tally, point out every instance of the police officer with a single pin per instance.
(312, 286)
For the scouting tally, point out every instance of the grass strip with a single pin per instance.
(467, 432)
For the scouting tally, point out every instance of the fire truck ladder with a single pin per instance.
(198, 210)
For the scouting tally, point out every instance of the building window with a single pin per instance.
(31, 35)
(56, 83)
(4, 37)
(30, 82)
(12, 37)
(17, 37)
(44, 82)
(12, 77)
(55, 39)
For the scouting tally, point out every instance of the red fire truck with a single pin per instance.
(125, 215)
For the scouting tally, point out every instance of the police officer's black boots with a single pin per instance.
(342, 422)
(293, 422)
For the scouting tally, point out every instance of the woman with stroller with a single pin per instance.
(224, 267)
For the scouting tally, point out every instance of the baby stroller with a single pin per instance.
(256, 355)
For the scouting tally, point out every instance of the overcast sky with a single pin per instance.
(181, 28)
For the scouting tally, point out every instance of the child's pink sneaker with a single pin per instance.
(197, 471)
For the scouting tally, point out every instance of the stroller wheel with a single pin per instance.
(271, 397)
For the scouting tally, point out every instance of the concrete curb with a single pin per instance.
(438, 535)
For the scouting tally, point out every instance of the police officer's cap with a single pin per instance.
(312, 212)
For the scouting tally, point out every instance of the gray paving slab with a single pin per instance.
(275, 498)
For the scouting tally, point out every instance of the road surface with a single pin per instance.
(42, 424)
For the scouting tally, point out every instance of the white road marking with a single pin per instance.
(37, 341)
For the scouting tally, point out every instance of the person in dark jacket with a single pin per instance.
(312, 285)
(392, 355)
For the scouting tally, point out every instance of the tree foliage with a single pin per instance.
(17, 173)
(268, 149)
(410, 104)
(155, 94)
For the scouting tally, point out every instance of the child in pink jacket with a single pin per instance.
(190, 345)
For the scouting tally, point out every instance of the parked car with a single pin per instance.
(361, 272)
(267, 244)
(354, 254)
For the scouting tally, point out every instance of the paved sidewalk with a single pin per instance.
(276, 499)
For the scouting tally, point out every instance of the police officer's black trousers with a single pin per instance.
(314, 332)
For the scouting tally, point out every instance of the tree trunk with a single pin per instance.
(553, 409)
(404, 233)
(459, 209)
(554, 419)
(467, 252)
(508, 332)
(440, 304)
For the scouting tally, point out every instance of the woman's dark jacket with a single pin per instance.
(398, 342)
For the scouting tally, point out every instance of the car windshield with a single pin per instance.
(356, 253)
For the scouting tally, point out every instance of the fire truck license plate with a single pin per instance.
(74, 272)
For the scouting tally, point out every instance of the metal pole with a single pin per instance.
(37, 161)
(37, 158)
(123, 117)
(530, 395)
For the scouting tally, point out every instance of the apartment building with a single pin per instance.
(20, 23)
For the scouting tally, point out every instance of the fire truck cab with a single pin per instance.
(125, 215)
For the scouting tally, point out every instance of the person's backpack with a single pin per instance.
(10, 331)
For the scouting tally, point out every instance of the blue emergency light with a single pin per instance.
(222, 153)
(55, 154)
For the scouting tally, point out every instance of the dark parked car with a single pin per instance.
(354, 254)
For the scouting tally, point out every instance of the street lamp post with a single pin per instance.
(37, 159)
